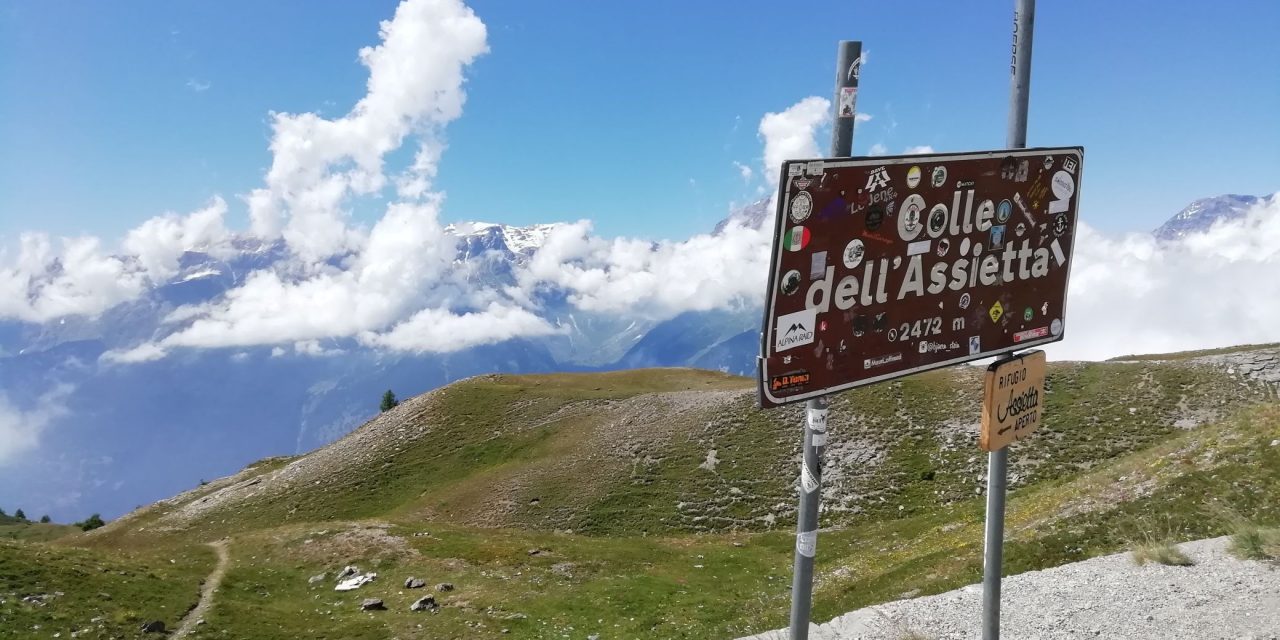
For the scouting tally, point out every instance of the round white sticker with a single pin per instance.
(910, 217)
(801, 207)
(1063, 185)
(853, 253)
(913, 177)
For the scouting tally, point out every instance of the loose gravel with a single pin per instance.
(1218, 598)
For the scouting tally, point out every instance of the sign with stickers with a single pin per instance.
(887, 266)
(1011, 400)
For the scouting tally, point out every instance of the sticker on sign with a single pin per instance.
(899, 299)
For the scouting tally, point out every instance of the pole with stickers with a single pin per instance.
(992, 437)
(848, 70)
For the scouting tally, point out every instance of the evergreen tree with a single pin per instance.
(92, 522)
(389, 401)
(2, 514)
(45, 520)
(19, 515)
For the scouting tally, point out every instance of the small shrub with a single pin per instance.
(1165, 553)
(1251, 542)
(92, 522)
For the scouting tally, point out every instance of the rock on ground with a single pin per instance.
(1220, 597)
(425, 603)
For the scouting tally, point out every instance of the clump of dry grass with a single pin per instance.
(1252, 542)
(1161, 552)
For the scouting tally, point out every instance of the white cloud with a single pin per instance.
(918, 150)
(1132, 294)
(41, 283)
(877, 149)
(415, 87)
(198, 86)
(440, 331)
(159, 242)
(20, 429)
(145, 352)
(312, 348)
(744, 171)
(792, 134)
(402, 256)
(862, 117)
(657, 280)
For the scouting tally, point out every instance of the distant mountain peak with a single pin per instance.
(1203, 213)
(751, 215)
(517, 240)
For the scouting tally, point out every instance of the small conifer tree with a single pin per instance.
(45, 520)
(19, 515)
(389, 401)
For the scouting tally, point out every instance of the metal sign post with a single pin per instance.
(1024, 16)
(848, 71)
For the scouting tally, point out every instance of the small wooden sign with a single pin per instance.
(1012, 400)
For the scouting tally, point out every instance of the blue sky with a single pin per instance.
(632, 114)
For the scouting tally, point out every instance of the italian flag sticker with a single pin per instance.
(795, 239)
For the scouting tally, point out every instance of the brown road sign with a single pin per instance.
(1012, 400)
(887, 266)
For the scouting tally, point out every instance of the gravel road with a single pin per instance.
(1110, 597)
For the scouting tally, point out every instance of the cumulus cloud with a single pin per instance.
(862, 117)
(414, 87)
(20, 428)
(657, 280)
(1133, 294)
(878, 149)
(918, 150)
(792, 134)
(403, 255)
(439, 331)
(159, 242)
(75, 277)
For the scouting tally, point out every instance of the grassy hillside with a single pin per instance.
(667, 451)
(659, 503)
(36, 531)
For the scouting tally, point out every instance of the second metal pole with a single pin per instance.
(993, 547)
(848, 71)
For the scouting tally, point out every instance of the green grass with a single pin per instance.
(650, 586)
(36, 531)
(97, 593)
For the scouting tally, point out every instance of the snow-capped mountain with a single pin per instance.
(1201, 214)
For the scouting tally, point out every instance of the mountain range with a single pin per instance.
(128, 434)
